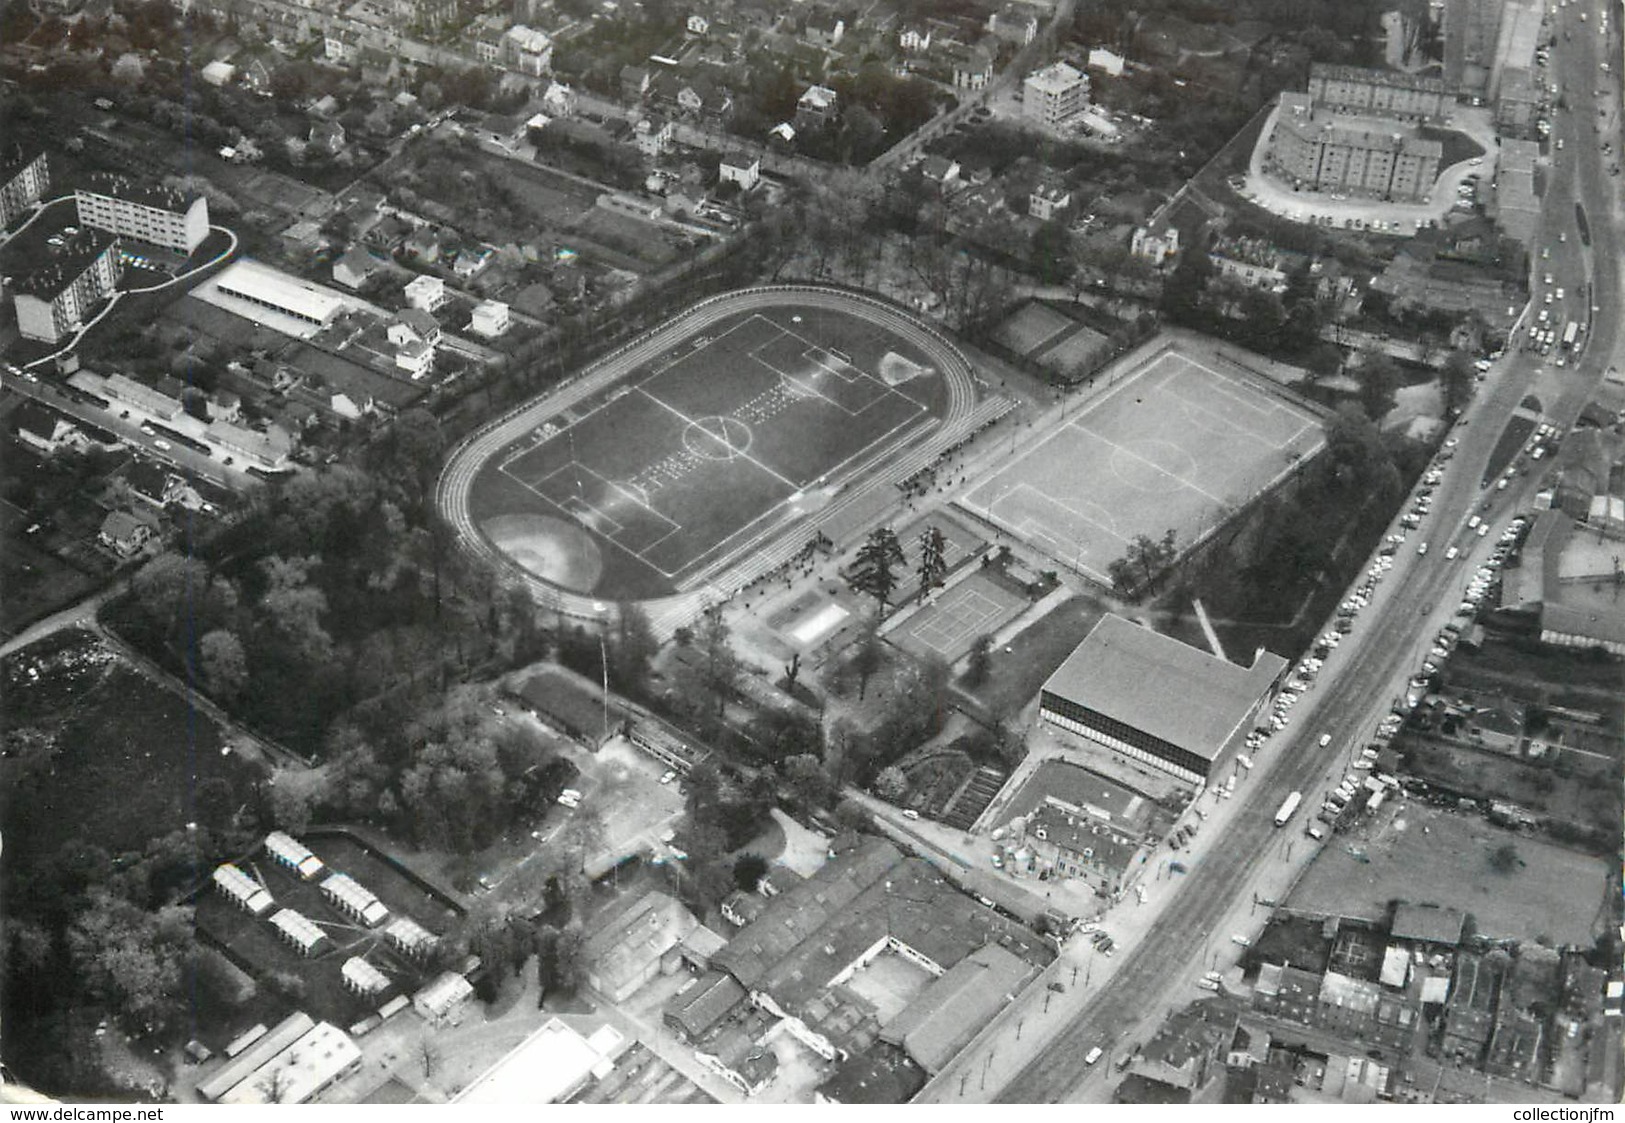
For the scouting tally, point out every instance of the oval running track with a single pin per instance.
(769, 548)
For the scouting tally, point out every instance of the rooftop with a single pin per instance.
(647, 929)
(706, 1003)
(546, 1067)
(1126, 672)
(1075, 788)
(910, 903)
(953, 1008)
(1056, 78)
(136, 191)
(795, 915)
(1336, 73)
(43, 262)
(879, 1076)
(15, 157)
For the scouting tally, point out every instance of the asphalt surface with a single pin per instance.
(1392, 634)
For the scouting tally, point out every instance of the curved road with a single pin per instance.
(772, 545)
(1389, 640)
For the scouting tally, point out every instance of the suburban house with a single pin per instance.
(744, 170)
(490, 319)
(426, 293)
(123, 533)
(355, 268)
(44, 429)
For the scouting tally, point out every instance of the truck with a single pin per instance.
(1288, 806)
(1570, 332)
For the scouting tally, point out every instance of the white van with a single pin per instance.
(1092, 1055)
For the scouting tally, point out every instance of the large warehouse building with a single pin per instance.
(1157, 700)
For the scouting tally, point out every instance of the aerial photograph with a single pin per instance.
(769, 552)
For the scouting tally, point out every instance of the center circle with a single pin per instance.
(1152, 465)
(717, 438)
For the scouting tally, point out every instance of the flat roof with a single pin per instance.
(301, 1070)
(257, 282)
(546, 1067)
(1337, 72)
(135, 191)
(39, 268)
(1134, 675)
(16, 157)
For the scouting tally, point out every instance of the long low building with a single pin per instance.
(1157, 700)
(272, 298)
(550, 1066)
(302, 1071)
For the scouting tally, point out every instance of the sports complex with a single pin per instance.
(1181, 437)
(707, 451)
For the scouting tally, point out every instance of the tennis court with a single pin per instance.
(946, 628)
(1181, 440)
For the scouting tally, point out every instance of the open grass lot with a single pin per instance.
(98, 752)
(650, 482)
(1181, 440)
(1423, 855)
(1570, 786)
(37, 582)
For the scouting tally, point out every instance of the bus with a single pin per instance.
(1569, 334)
(1288, 806)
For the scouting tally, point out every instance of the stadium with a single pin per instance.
(704, 453)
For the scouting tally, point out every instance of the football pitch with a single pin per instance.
(1181, 441)
(697, 452)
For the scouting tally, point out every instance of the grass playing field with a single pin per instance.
(1181, 440)
(643, 487)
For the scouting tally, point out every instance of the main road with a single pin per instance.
(1367, 671)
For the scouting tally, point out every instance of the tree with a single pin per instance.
(1379, 378)
(981, 660)
(1050, 252)
(808, 783)
(293, 608)
(874, 570)
(868, 656)
(167, 586)
(1136, 572)
(749, 869)
(1457, 382)
(224, 664)
(634, 649)
(719, 666)
(133, 959)
(559, 958)
(1504, 858)
(933, 560)
(891, 784)
(583, 836)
